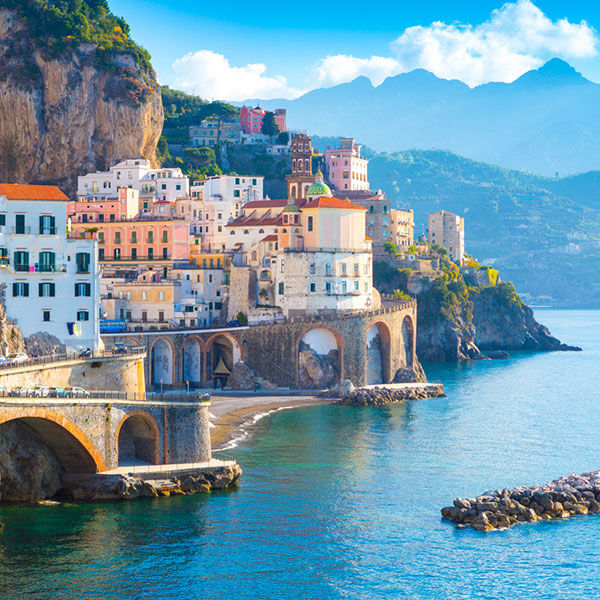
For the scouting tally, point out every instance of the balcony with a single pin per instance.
(48, 231)
(18, 230)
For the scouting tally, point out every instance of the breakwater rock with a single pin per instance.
(501, 509)
(388, 394)
(116, 486)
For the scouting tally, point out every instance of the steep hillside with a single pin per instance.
(546, 121)
(542, 233)
(76, 93)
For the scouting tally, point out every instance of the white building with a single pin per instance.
(234, 188)
(49, 282)
(448, 230)
(156, 184)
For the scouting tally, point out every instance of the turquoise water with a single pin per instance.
(343, 503)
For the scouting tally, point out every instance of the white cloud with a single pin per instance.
(516, 38)
(209, 75)
(341, 68)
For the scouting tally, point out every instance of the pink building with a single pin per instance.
(346, 169)
(251, 119)
(140, 241)
(126, 205)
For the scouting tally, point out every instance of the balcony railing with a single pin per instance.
(329, 250)
(48, 231)
(136, 258)
(19, 230)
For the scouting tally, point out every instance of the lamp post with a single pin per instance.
(188, 386)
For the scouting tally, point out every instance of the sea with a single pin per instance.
(344, 503)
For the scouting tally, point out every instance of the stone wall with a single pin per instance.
(110, 373)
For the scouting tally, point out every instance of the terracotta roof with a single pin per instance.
(270, 238)
(17, 191)
(325, 202)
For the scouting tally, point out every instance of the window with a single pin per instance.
(45, 316)
(20, 289)
(343, 268)
(134, 237)
(312, 269)
(47, 225)
(83, 262)
(83, 289)
(280, 288)
(385, 208)
(20, 224)
(47, 262)
(117, 237)
(117, 253)
(21, 260)
(101, 237)
(150, 238)
(165, 235)
(328, 287)
(150, 253)
(2, 219)
(327, 269)
(144, 296)
(134, 254)
(313, 287)
(165, 253)
(83, 315)
(356, 286)
(161, 296)
(101, 253)
(356, 270)
(163, 186)
(310, 223)
(46, 290)
(344, 287)
(371, 209)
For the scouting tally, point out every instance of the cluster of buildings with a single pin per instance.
(247, 128)
(143, 248)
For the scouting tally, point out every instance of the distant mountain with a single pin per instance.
(546, 121)
(542, 233)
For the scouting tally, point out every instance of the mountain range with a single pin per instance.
(546, 122)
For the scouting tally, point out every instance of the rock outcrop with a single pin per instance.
(102, 487)
(502, 321)
(43, 344)
(29, 470)
(501, 509)
(11, 338)
(317, 371)
(65, 116)
(243, 378)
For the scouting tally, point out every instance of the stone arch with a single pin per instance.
(223, 352)
(378, 353)
(72, 447)
(162, 356)
(408, 340)
(319, 356)
(137, 439)
(192, 351)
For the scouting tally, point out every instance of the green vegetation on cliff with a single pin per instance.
(60, 25)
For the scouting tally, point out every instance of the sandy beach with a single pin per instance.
(234, 416)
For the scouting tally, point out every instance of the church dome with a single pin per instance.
(319, 188)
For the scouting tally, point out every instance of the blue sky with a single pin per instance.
(272, 49)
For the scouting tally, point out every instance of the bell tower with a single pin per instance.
(302, 176)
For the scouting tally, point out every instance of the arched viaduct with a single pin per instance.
(363, 346)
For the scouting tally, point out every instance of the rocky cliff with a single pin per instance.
(67, 114)
(456, 322)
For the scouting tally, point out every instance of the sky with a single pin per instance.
(239, 50)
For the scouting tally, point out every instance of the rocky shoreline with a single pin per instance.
(109, 486)
(381, 395)
(501, 509)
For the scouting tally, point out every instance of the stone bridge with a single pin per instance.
(367, 347)
(96, 435)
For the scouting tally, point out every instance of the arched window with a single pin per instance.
(261, 231)
(307, 165)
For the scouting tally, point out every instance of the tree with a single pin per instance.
(391, 248)
(200, 157)
(269, 125)
(283, 138)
